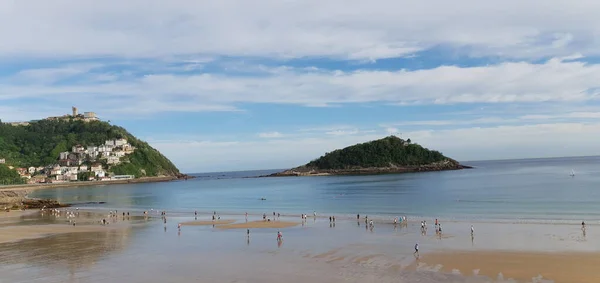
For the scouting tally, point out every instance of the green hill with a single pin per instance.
(387, 155)
(40, 144)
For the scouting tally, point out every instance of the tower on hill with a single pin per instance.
(74, 111)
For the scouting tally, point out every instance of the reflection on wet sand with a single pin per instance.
(71, 250)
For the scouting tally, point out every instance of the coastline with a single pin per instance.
(306, 172)
(87, 183)
(15, 196)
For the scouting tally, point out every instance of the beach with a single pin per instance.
(355, 251)
(527, 228)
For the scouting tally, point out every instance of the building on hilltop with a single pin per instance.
(90, 116)
(74, 111)
(2, 161)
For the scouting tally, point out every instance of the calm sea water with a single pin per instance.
(526, 190)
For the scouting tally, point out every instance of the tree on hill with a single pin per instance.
(10, 176)
(387, 152)
(41, 142)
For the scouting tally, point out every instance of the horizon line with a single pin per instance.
(481, 160)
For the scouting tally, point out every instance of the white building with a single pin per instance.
(83, 168)
(120, 142)
(2, 160)
(91, 149)
(100, 174)
(64, 155)
(31, 170)
(78, 149)
(118, 153)
(110, 142)
(113, 160)
(74, 170)
(96, 167)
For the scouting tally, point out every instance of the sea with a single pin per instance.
(525, 190)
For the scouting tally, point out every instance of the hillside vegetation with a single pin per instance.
(387, 152)
(41, 142)
(9, 176)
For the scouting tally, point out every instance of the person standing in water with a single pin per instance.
(248, 233)
(416, 250)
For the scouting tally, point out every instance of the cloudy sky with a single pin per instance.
(237, 84)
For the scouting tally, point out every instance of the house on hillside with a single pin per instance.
(78, 149)
(31, 170)
(22, 171)
(2, 161)
(113, 160)
(63, 155)
(96, 167)
(118, 153)
(83, 168)
(120, 142)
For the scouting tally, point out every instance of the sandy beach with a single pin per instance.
(259, 224)
(521, 266)
(209, 222)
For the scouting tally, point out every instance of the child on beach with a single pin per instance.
(279, 236)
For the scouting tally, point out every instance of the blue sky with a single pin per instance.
(235, 85)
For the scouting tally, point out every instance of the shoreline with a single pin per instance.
(87, 183)
(364, 171)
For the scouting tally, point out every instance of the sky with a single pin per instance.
(240, 85)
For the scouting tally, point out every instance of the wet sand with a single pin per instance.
(205, 223)
(17, 233)
(521, 266)
(259, 224)
(16, 214)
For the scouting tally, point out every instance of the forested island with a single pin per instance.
(70, 148)
(388, 155)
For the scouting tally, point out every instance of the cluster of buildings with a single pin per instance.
(72, 163)
(75, 115)
(111, 151)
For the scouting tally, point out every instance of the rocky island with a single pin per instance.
(389, 155)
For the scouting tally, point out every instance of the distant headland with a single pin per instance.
(389, 155)
(76, 148)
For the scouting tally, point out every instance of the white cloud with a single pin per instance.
(520, 82)
(270, 135)
(390, 130)
(336, 28)
(342, 132)
(474, 143)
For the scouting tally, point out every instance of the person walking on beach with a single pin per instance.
(248, 233)
(472, 230)
(358, 217)
(279, 236)
(195, 212)
(582, 225)
(416, 250)
(333, 219)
